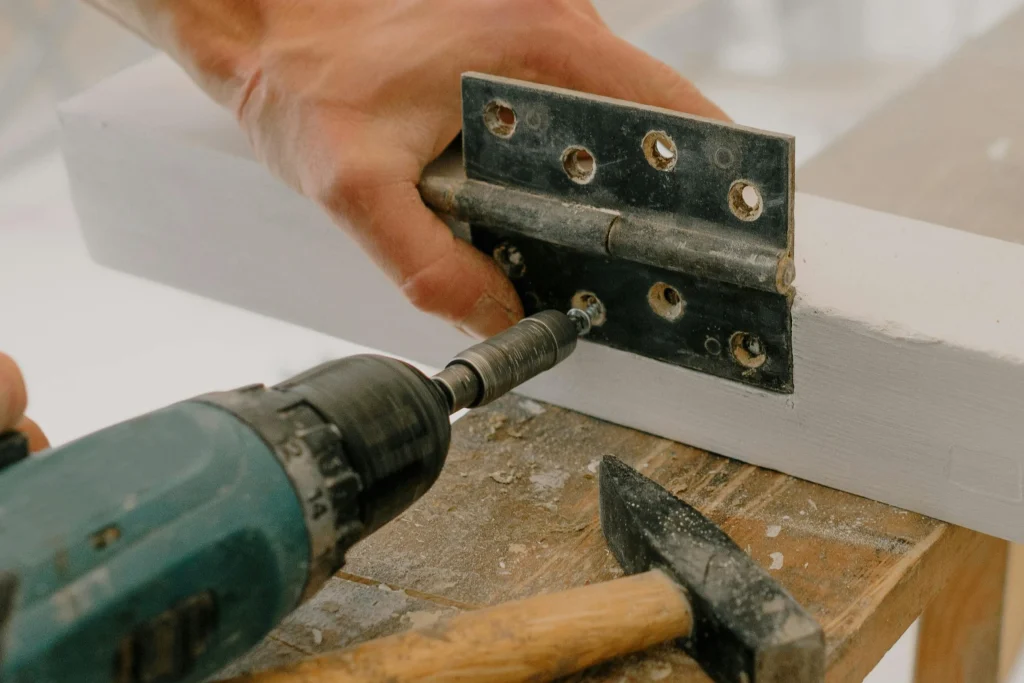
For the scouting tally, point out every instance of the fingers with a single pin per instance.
(437, 272)
(588, 57)
(13, 397)
(660, 86)
(37, 441)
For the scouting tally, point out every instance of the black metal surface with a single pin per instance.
(746, 627)
(700, 340)
(633, 225)
(13, 448)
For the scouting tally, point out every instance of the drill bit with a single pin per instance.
(492, 368)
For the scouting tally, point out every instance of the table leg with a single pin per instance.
(962, 629)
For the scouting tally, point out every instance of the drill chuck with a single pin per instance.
(492, 368)
(159, 549)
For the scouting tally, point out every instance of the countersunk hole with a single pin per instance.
(104, 537)
(500, 118)
(747, 349)
(666, 301)
(579, 164)
(510, 259)
(584, 300)
(712, 346)
(660, 150)
(745, 200)
(724, 157)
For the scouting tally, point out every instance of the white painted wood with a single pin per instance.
(908, 337)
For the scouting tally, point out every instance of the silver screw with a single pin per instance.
(584, 319)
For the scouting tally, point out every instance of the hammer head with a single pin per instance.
(746, 627)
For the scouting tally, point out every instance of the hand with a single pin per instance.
(13, 399)
(348, 100)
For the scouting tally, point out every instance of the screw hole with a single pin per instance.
(747, 349)
(666, 301)
(712, 346)
(510, 259)
(724, 157)
(500, 118)
(579, 165)
(745, 200)
(583, 300)
(660, 150)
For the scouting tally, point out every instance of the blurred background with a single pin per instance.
(98, 346)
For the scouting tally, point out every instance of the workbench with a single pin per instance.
(515, 511)
(515, 514)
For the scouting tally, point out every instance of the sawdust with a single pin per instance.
(658, 671)
(495, 421)
(504, 478)
(552, 480)
(532, 407)
(421, 619)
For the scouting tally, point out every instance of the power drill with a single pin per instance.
(162, 548)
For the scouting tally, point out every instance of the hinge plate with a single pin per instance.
(682, 227)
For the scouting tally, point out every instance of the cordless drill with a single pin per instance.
(159, 549)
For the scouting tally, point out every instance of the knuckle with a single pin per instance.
(434, 288)
(426, 290)
(13, 397)
(342, 185)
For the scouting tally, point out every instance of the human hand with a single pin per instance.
(349, 100)
(13, 399)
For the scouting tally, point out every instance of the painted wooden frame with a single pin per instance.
(908, 337)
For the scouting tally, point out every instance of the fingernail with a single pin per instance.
(488, 317)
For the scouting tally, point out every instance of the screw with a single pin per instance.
(510, 259)
(584, 319)
(753, 345)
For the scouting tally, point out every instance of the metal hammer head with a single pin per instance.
(746, 627)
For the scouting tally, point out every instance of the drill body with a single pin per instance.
(162, 548)
(142, 545)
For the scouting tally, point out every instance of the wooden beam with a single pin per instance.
(909, 353)
(949, 150)
(958, 641)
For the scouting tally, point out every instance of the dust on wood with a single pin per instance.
(515, 514)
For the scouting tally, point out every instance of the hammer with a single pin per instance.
(689, 583)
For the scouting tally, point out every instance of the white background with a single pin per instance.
(98, 346)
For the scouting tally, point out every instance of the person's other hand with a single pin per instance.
(348, 101)
(13, 399)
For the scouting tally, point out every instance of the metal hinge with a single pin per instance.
(681, 227)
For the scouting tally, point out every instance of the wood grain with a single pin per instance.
(948, 150)
(958, 641)
(514, 514)
(1012, 634)
(536, 639)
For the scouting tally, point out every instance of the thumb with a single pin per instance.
(437, 272)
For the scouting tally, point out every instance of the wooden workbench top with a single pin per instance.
(515, 514)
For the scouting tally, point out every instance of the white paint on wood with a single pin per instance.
(908, 337)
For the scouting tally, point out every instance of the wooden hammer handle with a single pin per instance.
(536, 639)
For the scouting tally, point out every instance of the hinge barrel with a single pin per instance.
(692, 246)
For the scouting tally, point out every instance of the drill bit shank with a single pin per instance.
(492, 368)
